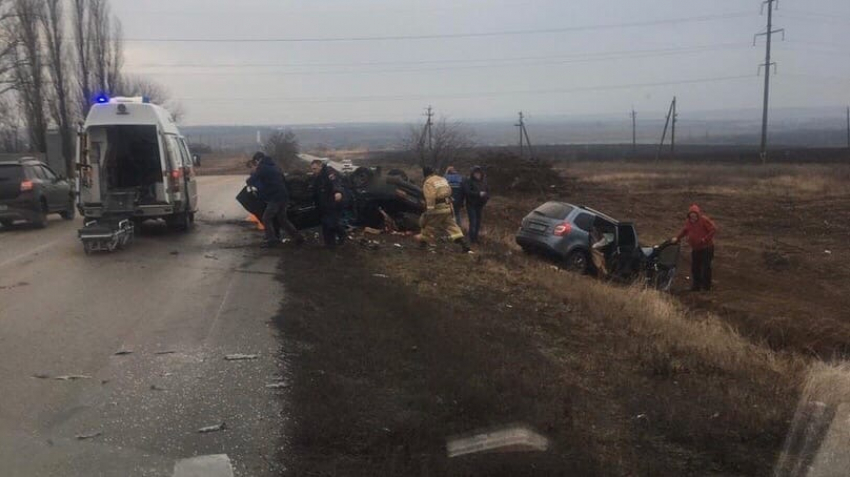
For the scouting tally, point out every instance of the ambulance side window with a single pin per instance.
(172, 150)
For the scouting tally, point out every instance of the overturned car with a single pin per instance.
(372, 199)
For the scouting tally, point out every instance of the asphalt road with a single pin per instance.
(179, 303)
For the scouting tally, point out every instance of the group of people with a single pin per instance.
(268, 179)
(445, 197)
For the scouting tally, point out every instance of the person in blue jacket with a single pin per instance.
(270, 183)
(456, 181)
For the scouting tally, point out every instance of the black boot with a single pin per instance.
(463, 245)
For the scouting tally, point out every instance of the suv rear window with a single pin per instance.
(12, 173)
(554, 210)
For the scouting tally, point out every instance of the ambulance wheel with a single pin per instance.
(180, 221)
(87, 247)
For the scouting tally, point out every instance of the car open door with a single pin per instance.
(626, 257)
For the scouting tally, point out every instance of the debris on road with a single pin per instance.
(240, 357)
(380, 275)
(123, 352)
(215, 428)
(83, 437)
(174, 252)
(512, 439)
(370, 244)
(371, 231)
(398, 245)
(277, 385)
(166, 352)
(154, 387)
(67, 377)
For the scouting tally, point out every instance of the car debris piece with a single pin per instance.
(154, 387)
(215, 428)
(71, 377)
(371, 231)
(277, 385)
(166, 352)
(123, 352)
(511, 439)
(92, 435)
(380, 275)
(398, 245)
(240, 357)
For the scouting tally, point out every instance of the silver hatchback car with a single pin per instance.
(563, 230)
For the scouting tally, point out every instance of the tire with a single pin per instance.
(361, 177)
(398, 173)
(577, 261)
(40, 220)
(70, 213)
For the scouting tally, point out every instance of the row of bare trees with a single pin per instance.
(55, 57)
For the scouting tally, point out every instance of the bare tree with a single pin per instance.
(136, 85)
(82, 47)
(283, 147)
(29, 69)
(53, 23)
(9, 124)
(448, 142)
(98, 45)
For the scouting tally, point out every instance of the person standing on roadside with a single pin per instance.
(269, 181)
(329, 194)
(455, 180)
(438, 218)
(476, 193)
(700, 231)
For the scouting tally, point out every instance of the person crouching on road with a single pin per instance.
(700, 231)
(269, 181)
(328, 194)
(476, 193)
(438, 217)
(456, 181)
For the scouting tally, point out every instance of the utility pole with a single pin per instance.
(634, 132)
(848, 127)
(430, 114)
(523, 135)
(768, 34)
(673, 130)
(664, 134)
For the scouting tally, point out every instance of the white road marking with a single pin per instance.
(216, 465)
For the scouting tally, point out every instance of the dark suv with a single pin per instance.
(29, 190)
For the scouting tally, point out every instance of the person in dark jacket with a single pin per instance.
(476, 193)
(456, 182)
(700, 231)
(328, 193)
(269, 181)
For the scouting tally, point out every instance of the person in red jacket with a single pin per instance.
(700, 231)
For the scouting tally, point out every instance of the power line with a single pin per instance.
(541, 31)
(606, 54)
(356, 99)
(413, 70)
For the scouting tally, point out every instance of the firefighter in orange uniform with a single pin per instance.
(438, 218)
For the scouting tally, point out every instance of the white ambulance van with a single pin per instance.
(131, 149)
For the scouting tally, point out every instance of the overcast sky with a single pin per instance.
(592, 57)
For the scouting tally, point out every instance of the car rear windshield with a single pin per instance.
(554, 210)
(12, 172)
